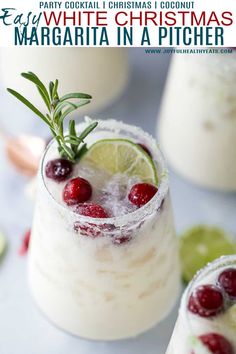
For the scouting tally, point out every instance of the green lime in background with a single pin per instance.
(2, 244)
(202, 244)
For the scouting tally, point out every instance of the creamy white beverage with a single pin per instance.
(207, 317)
(102, 72)
(197, 123)
(115, 275)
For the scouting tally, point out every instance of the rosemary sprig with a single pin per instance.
(70, 145)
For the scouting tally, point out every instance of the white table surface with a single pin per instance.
(23, 330)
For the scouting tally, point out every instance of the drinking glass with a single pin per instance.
(110, 278)
(197, 123)
(189, 327)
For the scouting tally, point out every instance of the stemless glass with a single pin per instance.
(121, 282)
(188, 328)
(197, 123)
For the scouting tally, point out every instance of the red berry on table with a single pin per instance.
(77, 190)
(216, 343)
(91, 209)
(206, 301)
(25, 243)
(59, 169)
(141, 193)
(227, 280)
(145, 149)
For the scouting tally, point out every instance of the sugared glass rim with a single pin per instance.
(217, 264)
(148, 209)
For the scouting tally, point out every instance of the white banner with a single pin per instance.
(104, 23)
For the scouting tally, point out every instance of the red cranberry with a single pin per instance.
(120, 240)
(25, 243)
(59, 169)
(88, 229)
(227, 280)
(206, 301)
(94, 211)
(216, 343)
(91, 209)
(77, 190)
(145, 149)
(141, 193)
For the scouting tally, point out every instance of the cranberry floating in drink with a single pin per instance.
(207, 317)
(58, 169)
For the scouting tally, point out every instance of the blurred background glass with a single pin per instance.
(198, 119)
(102, 72)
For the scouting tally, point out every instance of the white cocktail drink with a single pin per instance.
(207, 317)
(103, 72)
(197, 127)
(110, 278)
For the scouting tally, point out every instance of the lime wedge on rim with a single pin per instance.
(122, 156)
(202, 244)
(2, 244)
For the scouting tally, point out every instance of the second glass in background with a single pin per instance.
(100, 72)
(197, 127)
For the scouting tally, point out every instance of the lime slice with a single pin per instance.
(203, 244)
(122, 156)
(2, 244)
